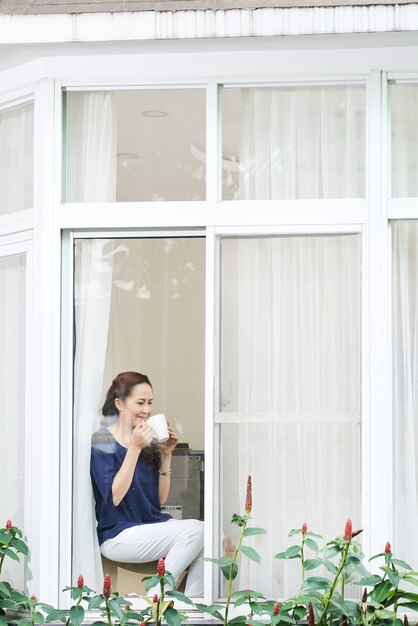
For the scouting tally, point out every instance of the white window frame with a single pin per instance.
(51, 217)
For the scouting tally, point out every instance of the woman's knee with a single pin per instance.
(197, 530)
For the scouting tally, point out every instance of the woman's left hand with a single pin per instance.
(168, 447)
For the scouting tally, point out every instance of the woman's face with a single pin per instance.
(137, 407)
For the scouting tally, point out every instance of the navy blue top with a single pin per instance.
(141, 504)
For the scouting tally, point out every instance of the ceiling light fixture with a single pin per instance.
(127, 155)
(154, 113)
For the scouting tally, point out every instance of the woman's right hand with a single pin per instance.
(142, 435)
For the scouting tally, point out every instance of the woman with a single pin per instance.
(131, 479)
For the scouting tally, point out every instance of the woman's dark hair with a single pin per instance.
(121, 388)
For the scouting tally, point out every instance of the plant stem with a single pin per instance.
(302, 557)
(234, 556)
(1, 561)
(109, 619)
(162, 589)
(334, 583)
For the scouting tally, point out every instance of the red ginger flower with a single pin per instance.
(276, 608)
(80, 582)
(33, 597)
(388, 548)
(8, 524)
(311, 617)
(155, 598)
(304, 528)
(142, 623)
(348, 533)
(107, 585)
(161, 567)
(249, 498)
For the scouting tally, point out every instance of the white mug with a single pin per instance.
(158, 424)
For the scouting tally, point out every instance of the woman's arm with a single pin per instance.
(141, 437)
(166, 450)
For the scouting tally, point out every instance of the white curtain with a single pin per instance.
(404, 119)
(405, 389)
(16, 158)
(12, 386)
(92, 163)
(302, 142)
(290, 392)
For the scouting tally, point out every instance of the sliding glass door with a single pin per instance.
(139, 306)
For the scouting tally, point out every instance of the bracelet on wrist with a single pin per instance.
(167, 473)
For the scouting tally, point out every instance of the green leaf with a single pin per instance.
(20, 546)
(38, 617)
(315, 582)
(401, 563)
(293, 551)
(410, 579)
(76, 615)
(299, 612)
(281, 618)
(116, 609)
(211, 609)
(251, 553)
(238, 519)
(295, 531)
(179, 596)
(370, 580)
(4, 590)
(224, 560)
(11, 554)
(376, 556)
(312, 563)
(5, 537)
(240, 600)
(381, 591)
(95, 602)
(393, 577)
(331, 551)
(331, 567)
(56, 615)
(254, 531)
(309, 534)
(230, 571)
(409, 605)
(311, 544)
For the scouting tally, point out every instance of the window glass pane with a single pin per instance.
(405, 386)
(289, 404)
(136, 145)
(16, 158)
(404, 115)
(293, 142)
(139, 307)
(12, 390)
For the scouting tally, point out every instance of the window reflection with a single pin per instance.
(138, 145)
(139, 306)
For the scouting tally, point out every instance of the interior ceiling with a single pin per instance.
(162, 142)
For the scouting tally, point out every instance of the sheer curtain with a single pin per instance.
(302, 142)
(16, 158)
(290, 392)
(92, 175)
(12, 386)
(405, 388)
(404, 114)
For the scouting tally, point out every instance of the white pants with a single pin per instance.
(180, 542)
